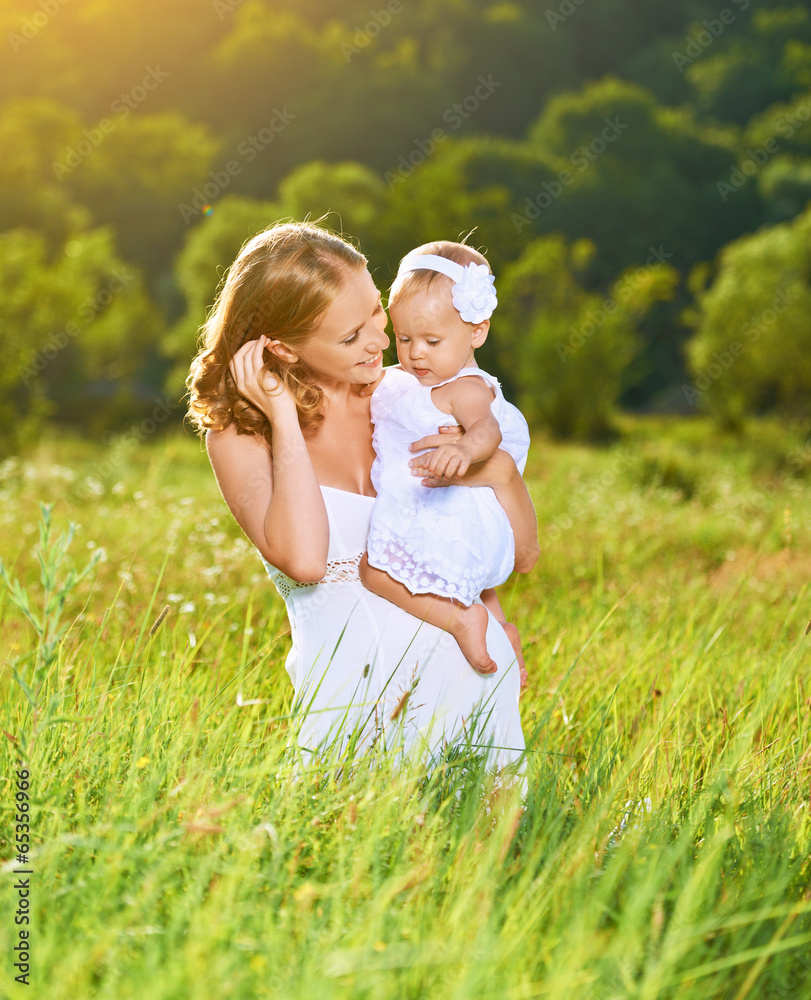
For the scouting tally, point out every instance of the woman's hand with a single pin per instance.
(261, 388)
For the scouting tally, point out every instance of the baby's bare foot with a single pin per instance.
(470, 630)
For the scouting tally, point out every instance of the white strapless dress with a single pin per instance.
(366, 671)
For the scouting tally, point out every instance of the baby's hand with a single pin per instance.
(449, 461)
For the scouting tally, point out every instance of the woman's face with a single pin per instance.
(348, 344)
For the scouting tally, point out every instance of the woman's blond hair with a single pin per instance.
(406, 285)
(280, 285)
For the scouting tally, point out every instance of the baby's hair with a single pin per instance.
(408, 284)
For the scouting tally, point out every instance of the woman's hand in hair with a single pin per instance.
(258, 385)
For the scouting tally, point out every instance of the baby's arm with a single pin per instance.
(468, 400)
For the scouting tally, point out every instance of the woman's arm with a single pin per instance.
(500, 472)
(514, 497)
(275, 496)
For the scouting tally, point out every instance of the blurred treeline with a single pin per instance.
(639, 174)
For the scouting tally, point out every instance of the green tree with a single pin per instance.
(352, 197)
(747, 71)
(33, 132)
(87, 53)
(569, 351)
(145, 178)
(463, 185)
(139, 174)
(76, 331)
(785, 186)
(751, 351)
(787, 124)
(636, 175)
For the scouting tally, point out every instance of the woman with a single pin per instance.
(281, 387)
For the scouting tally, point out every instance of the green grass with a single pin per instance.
(176, 854)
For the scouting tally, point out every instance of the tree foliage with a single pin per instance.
(653, 133)
(89, 333)
(569, 351)
(752, 347)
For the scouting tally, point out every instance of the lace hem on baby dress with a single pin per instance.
(338, 571)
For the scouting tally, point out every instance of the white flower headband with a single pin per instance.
(474, 288)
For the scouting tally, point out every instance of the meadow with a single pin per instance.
(663, 849)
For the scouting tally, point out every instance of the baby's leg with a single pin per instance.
(467, 625)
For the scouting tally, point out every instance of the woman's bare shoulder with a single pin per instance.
(229, 441)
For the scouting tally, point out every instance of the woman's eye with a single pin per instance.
(353, 338)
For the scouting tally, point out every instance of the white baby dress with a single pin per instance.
(453, 541)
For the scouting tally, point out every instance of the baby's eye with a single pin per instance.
(403, 340)
(432, 343)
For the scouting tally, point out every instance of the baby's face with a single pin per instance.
(433, 341)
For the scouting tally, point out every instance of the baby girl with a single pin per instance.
(433, 551)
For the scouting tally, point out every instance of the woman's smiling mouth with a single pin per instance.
(372, 361)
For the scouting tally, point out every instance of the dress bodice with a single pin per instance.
(348, 515)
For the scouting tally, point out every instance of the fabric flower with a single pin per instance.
(474, 295)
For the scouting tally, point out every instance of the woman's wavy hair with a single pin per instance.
(280, 285)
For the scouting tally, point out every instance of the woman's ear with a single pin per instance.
(281, 351)
(480, 333)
